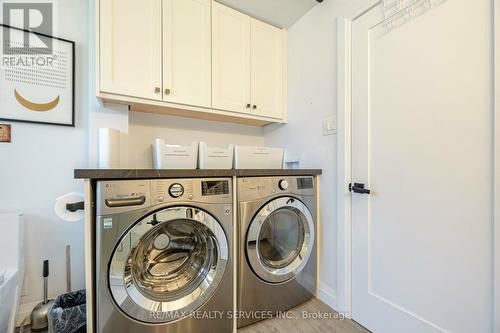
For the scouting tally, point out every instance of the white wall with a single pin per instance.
(139, 130)
(144, 128)
(312, 89)
(37, 167)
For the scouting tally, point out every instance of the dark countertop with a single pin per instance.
(97, 174)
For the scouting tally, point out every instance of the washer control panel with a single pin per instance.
(214, 187)
(283, 184)
(117, 196)
(176, 190)
(217, 190)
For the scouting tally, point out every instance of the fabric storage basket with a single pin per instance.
(215, 157)
(246, 157)
(166, 156)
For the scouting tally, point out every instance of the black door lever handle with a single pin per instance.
(358, 188)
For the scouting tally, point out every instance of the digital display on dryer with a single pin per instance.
(218, 187)
(304, 183)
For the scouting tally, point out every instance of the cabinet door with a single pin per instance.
(231, 59)
(186, 52)
(130, 48)
(267, 70)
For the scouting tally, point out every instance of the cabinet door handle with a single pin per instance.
(255, 106)
(248, 105)
(167, 91)
(157, 90)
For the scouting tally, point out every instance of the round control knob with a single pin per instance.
(176, 190)
(283, 185)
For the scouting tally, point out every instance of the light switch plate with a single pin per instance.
(329, 126)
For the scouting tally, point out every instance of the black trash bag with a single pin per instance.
(68, 314)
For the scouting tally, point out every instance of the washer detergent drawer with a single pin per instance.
(114, 197)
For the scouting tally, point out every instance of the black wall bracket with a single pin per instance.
(75, 206)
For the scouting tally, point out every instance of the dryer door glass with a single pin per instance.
(280, 239)
(168, 264)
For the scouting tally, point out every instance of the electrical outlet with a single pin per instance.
(5, 133)
(329, 126)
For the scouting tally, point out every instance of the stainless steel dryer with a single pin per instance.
(163, 250)
(277, 252)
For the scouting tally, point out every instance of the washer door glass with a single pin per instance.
(280, 239)
(168, 264)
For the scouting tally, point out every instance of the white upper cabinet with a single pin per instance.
(231, 59)
(187, 52)
(247, 64)
(267, 70)
(192, 58)
(130, 48)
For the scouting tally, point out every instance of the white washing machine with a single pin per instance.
(277, 245)
(163, 256)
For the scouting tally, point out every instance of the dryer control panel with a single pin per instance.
(253, 188)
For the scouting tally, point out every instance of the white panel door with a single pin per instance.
(230, 59)
(187, 52)
(130, 48)
(267, 69)
(423, 143)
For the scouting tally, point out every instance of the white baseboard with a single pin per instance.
(327, 295)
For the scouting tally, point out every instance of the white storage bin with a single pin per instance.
(246, 157)
(215, 157)
(167, 156)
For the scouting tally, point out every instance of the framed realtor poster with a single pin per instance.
(37, 78)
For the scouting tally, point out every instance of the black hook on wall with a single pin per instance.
(76, 206)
